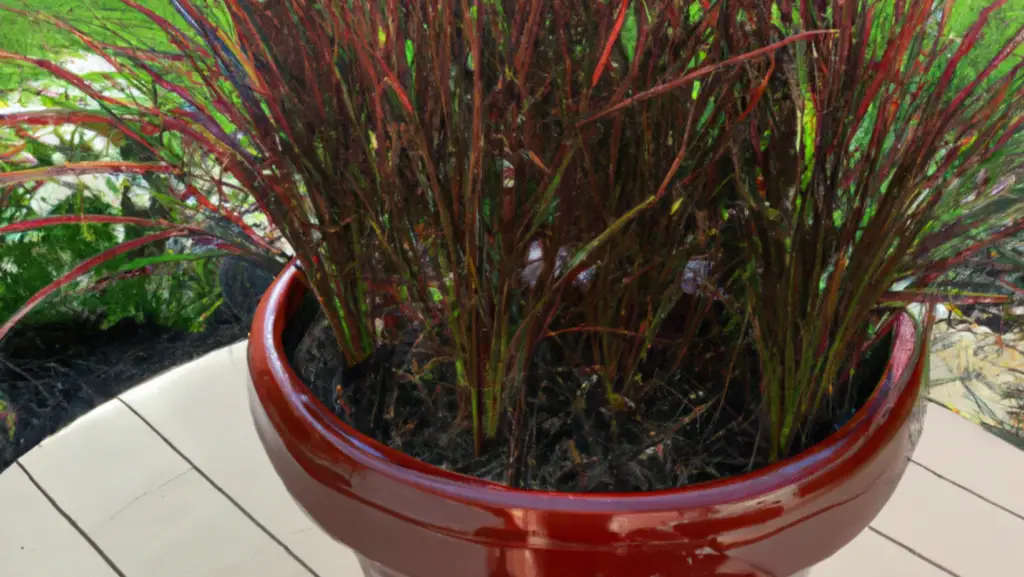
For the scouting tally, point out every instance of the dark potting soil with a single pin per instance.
(52, 374)
(568, 437)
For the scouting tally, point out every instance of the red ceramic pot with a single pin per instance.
(405, 518)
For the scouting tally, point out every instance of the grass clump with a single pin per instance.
(631, 200)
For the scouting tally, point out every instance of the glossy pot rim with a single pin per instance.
(860, 439)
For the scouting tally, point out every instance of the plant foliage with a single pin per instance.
(502, 174)
(172, 286)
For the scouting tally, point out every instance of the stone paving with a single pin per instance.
(979, 374)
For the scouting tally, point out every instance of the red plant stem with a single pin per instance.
(701, 72)
(150, 55)
(939, 298)
(608, 330)
(5, 192)
(1003, 281)
(73, 79)
(232, 216)
(176, 36)
(78, 117)
(610, 44)
(83, 169)
(61, 117)
(47, 221)
(933, 271)
(13, 151)
(53, 118)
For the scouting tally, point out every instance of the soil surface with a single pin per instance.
(563, 434)
(52, 374)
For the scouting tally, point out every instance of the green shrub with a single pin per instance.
(181, 294)
(164, 283)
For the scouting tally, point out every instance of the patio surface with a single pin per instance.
(170, 480)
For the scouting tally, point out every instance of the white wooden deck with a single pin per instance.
(170, 480)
